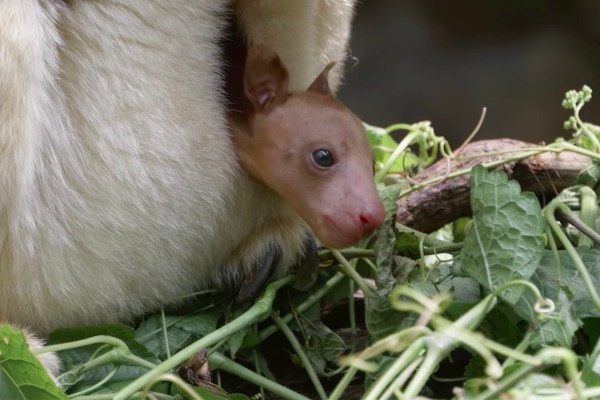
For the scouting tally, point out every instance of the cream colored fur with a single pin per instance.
(305, 34)
(119, 188)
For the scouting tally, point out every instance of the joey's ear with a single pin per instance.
(321, 84)
(265, 79)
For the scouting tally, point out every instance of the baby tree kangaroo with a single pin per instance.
(310, 149)
(120, 190)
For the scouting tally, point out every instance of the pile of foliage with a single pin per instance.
(501, 304)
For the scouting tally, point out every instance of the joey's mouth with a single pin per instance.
(331, 234)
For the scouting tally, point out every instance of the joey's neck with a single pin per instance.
(262, 204)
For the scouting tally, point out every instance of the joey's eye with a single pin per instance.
(323, 158)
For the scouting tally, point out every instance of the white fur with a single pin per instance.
(119, 188)
(305, 34)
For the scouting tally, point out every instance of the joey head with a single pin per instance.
(310, 149)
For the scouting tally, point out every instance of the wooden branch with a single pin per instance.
(434, 206)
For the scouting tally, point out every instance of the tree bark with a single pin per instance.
(434, 206)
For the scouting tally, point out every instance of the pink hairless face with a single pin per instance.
(311, 149)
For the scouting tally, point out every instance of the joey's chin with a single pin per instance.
(331, 234)
(338, 241)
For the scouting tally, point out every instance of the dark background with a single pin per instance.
(444, 60)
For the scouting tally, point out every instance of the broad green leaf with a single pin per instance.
(552, 278)
(236, 340)
(76, 380)
(560, 282)
(568, 276)
(180, 331)
(322, 345)
(209, 393)
(505, 241)
(558, 328)
(475, 368)
(381, 319)
(464, 290)
(21, 374)
(73, 359)
(407, 245)
(389, 197)
(499, 325)
(66, 335)
(590, 176)
(383, 145)
(460, 228)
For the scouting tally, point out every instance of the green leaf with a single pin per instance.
(381, 319)
(209, 393)
(383, 145)
(322, 345)
(505, 241)
(375, 134)
(499, 325)
(590, 176)
(21, 374)
(236, 340)
(389, 197)
(559, 281)
(73, 359)
(66, 335)
(583, 304)
(180, 331)
(460, 228)
(557, 329)
(407, 245)
(551, 278)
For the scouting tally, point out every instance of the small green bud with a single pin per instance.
(586, 93)
(570, 124)
(571, 99)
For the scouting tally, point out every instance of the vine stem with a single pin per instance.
(589, 208)
(95, 386)
(305, 305)
(507, 383)
(301, 354)
(550, 213)
(174, 380)
(403, 145)
(589, 134)
(412, 353)
(258, 312)
(343, 383)
(100, 339)
(351, 272)
(218, 360)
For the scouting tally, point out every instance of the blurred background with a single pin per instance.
(444, 60)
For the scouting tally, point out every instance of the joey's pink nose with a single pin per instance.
(371, 218)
